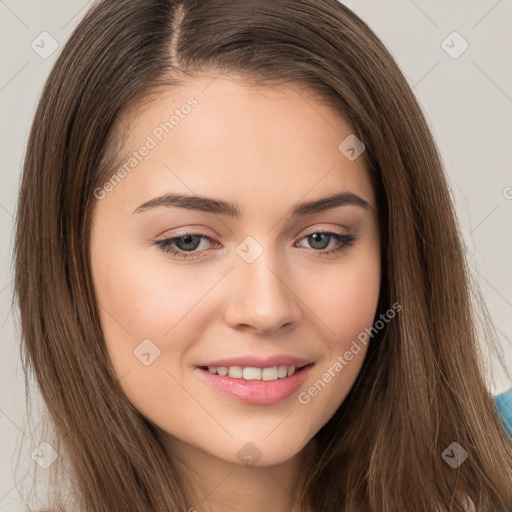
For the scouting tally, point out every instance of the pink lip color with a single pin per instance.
(258, 392)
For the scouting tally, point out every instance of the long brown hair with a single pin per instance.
(422, 385)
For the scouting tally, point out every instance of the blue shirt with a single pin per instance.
(504, 407)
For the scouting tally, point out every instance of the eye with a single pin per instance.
(322, 239)
(186, 246)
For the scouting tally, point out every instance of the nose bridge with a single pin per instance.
(262, 297)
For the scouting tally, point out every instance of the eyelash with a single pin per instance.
(346, 241)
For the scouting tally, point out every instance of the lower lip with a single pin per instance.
(256, 391)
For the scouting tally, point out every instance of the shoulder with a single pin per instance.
(504, 407)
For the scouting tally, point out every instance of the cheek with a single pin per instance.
(140, 298)
(346, 305)
(135, 303)
(142, 308)
(346, 301)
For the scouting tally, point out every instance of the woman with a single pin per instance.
(258, 293)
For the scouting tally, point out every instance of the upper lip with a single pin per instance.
(260, 362)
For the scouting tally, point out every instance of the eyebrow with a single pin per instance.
(217, 206)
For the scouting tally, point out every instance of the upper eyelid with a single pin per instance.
(198, 232)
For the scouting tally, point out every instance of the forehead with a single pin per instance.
(219, 133)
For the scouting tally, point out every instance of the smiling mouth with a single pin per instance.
(256, 385)
(248, 373)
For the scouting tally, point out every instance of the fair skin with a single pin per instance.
(266, 150)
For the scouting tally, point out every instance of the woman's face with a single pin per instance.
(270, 282)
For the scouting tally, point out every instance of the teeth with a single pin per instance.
(270, 373)
(252, 373)
(235, 371)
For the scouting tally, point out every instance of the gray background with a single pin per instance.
(467, 100)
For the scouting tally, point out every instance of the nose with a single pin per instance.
(261, 297)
